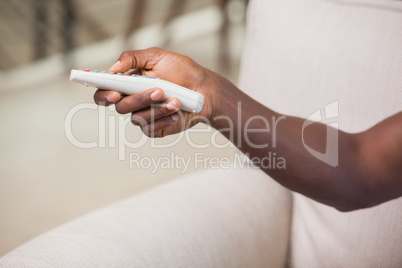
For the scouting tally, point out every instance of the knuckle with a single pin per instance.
(144, 100)
(119, 108)
(96, 100)
(124, 54)
(159, 111)
(155, 49)
(187, 60)
(137, 120)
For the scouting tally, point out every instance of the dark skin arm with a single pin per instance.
(370, 163)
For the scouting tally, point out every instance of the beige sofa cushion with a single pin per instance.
(304, 54)
(216, 218)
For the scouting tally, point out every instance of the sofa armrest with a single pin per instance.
(214, 218)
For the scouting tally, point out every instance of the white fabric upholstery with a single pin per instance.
(216, 218)
(304, 54)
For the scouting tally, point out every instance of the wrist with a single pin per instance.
(224, 96)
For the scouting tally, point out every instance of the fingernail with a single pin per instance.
(171, 105)
(117, 63)
(175, 117)
(113, 97)
(156, 95)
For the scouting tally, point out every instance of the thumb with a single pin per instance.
(136, 59)
(122, 65)
(116, 67)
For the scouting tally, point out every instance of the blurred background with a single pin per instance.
(45, 180)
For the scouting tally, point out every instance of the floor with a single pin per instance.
(45, 180)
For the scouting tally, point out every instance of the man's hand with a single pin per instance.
(369, 169)
(164, 118)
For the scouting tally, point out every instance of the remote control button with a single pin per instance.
(119, 73)
(103, 72)
(86, 70)
(134, 75)
(126, 74)
(151, 77)
(111, 72)
(95, 71)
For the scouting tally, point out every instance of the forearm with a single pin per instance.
(260, 133)
(365, 175)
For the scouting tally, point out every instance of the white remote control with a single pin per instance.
(191, 101)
